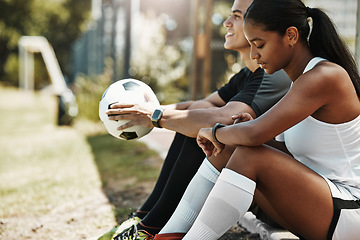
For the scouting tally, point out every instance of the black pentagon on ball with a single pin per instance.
(128, 135)
(131, 86)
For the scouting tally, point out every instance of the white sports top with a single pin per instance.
(331, 150)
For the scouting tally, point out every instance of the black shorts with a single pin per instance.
(345, 224)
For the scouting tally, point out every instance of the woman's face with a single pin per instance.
(268, 48)
(235, 39)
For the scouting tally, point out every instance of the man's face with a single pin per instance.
(235, 39)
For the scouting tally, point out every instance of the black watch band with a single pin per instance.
(215, 127)
(156, 116)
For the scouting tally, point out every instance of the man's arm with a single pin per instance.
(212, 100)
(186, 118)
(189, 122)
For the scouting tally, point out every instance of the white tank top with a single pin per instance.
(332, 150)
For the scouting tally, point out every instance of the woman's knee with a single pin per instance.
(246, 160)
(220, 161)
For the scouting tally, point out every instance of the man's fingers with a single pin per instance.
(126, 125)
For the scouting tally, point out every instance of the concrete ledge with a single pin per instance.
(266, 232)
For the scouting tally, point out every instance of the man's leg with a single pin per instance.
(196, 194)
(193, 199)
(168, 165)
(169, 162)
(187, 164)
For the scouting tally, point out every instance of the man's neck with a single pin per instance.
(249, 63)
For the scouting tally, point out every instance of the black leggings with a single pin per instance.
(180, 165)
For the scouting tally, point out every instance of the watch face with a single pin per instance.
(155, 117)
(157, 114)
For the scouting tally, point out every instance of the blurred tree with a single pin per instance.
(13, 19)
(161, 53)
(61, 22)
(161, 66)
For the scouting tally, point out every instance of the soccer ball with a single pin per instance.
(129, 91)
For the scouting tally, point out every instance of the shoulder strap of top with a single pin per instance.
(313, 62)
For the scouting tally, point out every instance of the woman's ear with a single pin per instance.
(292, 36)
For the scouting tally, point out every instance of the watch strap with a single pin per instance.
(216, 127)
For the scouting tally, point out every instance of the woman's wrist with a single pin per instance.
(216, 127)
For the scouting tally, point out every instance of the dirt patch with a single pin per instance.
(239, 233)
(85, 218)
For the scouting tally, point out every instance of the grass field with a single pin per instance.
(48, 173)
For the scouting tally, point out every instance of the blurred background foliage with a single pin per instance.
(90, 41)
(60, 21)
(161, 46)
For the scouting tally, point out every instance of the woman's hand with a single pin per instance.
(136, 114)
(241, 117)
(211, 146)
(207, 143)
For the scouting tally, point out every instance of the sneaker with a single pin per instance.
(132, 220)
(169, 236)
(132, 233)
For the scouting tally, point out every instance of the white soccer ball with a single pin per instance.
(128, 91)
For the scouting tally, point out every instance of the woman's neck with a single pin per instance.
(301, 57)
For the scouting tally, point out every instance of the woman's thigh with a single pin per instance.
(290, 192)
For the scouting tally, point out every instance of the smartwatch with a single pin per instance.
(156, 116)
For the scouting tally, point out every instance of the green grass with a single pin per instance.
(126, 160)
(43, 165)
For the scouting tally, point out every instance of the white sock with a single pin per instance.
(230, 199)
(193, 199)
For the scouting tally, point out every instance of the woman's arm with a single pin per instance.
(311, 93)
